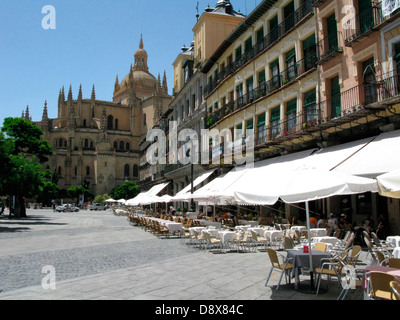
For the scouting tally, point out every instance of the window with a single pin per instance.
(291, 68)
(126, 171)
(332, 33)
(250, 88)
(86, 143)
(110, 121)
(275, 122)
(309, 53)
(121, 145)
(310, 108)
(288, 16)
(291, 112)
(128, 146)
(115, 145)
(366, 15)
(249, 125)
(336, 109)
(144, 119)
(238, 53)
(369, 81)
(76, 171)
(261, 128)
(59, 171)
(239, 95)
(87, 170)
(273, 29)
(275, 78)
(84, 123)
(135, 170)
(260, 39)
(116, 124)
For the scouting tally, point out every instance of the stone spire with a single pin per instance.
(158, 83)
(141, 57)
(116, 86)
(165, 84)
(80, 93)
(45, 116)
(93, 94)
(70, 93)
(27, 116)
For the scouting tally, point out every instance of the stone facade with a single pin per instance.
(99, 141)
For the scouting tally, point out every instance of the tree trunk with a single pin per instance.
(20, 210)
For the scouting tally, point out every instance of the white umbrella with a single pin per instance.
(389, 184)
(111, 200)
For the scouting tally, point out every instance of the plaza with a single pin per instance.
(98, 255)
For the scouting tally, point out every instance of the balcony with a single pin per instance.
(301, 14)
(329, 47)
(285, 78)
(362, 25)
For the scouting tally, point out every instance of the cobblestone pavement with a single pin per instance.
(97, 255)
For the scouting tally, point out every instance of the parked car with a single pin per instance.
(61, 208)
(73, 208)
(97, 206)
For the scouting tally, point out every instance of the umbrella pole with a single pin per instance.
(309, 245)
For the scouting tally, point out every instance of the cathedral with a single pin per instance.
(99, 141)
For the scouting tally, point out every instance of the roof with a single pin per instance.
(256, 14)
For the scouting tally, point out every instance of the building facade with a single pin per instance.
(99, 141)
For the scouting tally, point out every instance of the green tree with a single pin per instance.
(126, 191)
(22, 151)
(101, 198)
(76, 191)
(49, 190)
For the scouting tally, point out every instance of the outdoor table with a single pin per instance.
(332, 240)
(257, 230)
(243, 228)
(198, 229)
(273, 234)
(209, 223)
(300, 228)
(172, 226)
(318, 232)
(251, 223)
(396, 252)
(365, 281)
(393, 241)
(300, 260)
(212, 232)
(227, 236)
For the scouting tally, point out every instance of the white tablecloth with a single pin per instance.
(396, 252)
(212, 232)
(393, 241)
(243, 228)
(245, 222)
(318, 232)
(300, 228)
(227, 236)
(331, 240)
(273, 234)
(259, 231)
(172, 226)
(198, 229)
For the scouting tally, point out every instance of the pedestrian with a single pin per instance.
(332, 222)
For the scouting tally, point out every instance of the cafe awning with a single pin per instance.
(181, 195)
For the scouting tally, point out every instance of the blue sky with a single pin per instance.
(94, 40)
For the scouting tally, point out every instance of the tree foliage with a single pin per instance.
(21, 152)
(126, 191)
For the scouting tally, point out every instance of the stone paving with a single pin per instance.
(97, 255)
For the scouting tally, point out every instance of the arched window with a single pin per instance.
(91, 144)
(116, 124)
(65, 143)
(60, 142)
(121, 145)
(86, 144)
(59, 171)
(76, 171)
(115, 145)
(126, 170)
(110, 121)
(87, 170)
(135, 170)
(84, 123)
(128, 146)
